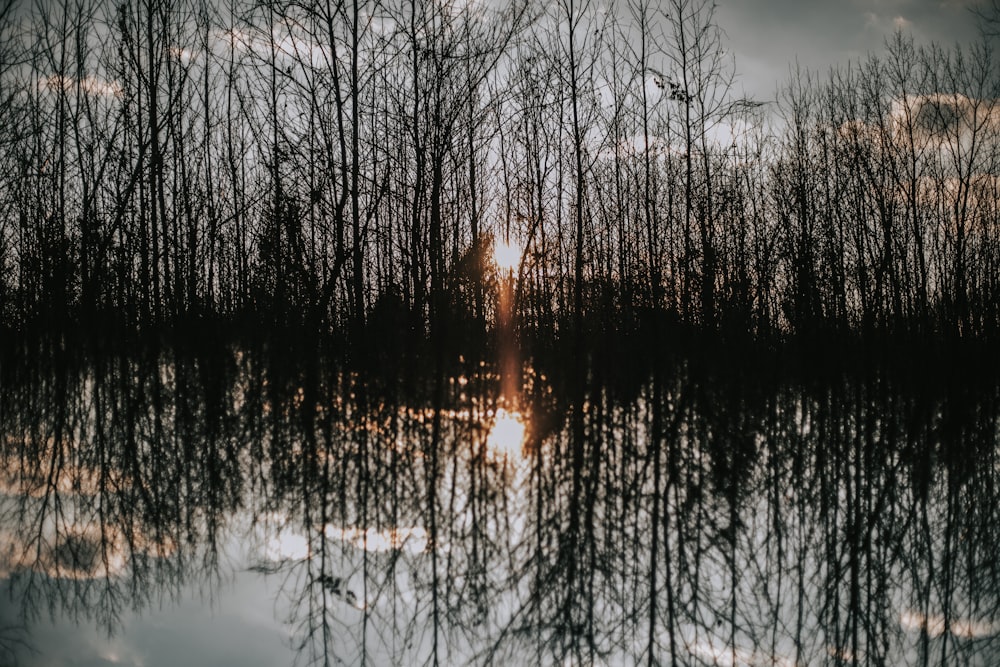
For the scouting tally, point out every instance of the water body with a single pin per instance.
(246, 505)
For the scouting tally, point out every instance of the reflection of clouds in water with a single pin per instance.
(37, 481)
(70, 541)
(82, 555)
(712, 649)
(66, 527)
(284, 542)
(934, 625)
(412, 540)
(81, 550)
(287, 545)
(290, 545)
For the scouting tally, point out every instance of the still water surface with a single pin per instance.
(239, 507)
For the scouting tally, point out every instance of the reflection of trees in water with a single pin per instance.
(721, 516)
(112, 470)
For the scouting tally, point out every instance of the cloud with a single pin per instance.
(881, 24)
(90, 85)
(769, 35)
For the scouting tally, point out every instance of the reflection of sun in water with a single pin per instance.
(506, 255)
(507, 434)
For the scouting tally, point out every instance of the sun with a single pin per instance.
(507, 435)
(507, 255)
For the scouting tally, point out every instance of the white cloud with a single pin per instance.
(90, 85)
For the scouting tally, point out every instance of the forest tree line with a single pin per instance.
(334, 162)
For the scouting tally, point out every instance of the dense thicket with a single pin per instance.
(344, 163)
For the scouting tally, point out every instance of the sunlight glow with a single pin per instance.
(506, 255)
(507, 435)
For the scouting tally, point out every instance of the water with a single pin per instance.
(250, 505)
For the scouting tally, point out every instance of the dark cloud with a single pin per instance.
(770, 36)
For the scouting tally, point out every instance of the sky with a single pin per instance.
(768, 36)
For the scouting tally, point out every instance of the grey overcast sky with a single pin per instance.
(767, 36)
